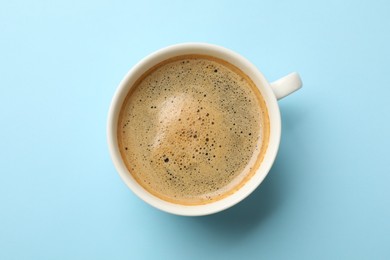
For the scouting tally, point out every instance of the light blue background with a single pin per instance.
(327, 196)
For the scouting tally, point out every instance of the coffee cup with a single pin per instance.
(193, 56)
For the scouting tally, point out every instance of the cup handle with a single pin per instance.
(286, 85)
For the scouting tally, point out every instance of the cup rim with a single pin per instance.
(195, 48)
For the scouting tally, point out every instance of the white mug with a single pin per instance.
(271, 92)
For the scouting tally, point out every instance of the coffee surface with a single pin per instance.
(193, 129)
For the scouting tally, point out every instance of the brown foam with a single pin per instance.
(193, 129)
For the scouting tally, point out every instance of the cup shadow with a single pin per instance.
(251, 212)
(265, 201)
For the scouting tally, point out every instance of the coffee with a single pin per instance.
(193, 129)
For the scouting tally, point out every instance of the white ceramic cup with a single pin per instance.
(271, 92)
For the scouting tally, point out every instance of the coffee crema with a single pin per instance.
(193, 129)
